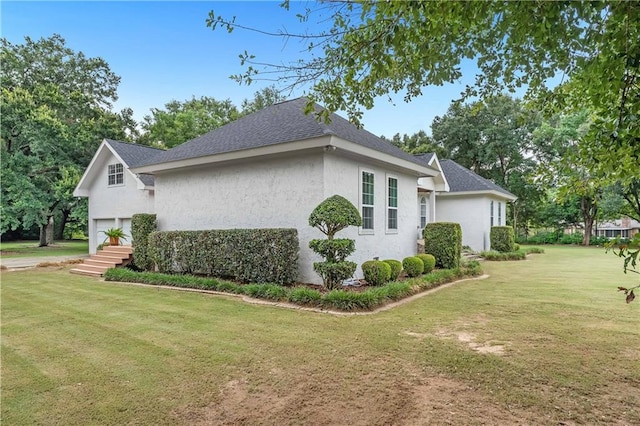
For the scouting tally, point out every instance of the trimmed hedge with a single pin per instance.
(498, 255)
(376, 272)
(502, 239)
(335, 299)
(429, 262)
(396, 268)
(413, 266)
(443, 240)
(248, 255)
(142, 225)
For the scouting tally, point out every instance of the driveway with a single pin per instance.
(29, 262)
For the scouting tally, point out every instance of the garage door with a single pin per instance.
(104, 224)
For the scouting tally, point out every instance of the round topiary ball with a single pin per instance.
(396, 268)
(376, 272)
(413, 266)
(429, 262)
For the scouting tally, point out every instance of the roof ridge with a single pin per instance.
(133, 144)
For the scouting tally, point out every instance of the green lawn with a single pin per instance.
(14, 249)
(542, 341)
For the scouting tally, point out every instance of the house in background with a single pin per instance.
(623, 228)
(270, 169)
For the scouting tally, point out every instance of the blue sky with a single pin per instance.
(164, 51)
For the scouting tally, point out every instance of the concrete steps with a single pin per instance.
(108, 257)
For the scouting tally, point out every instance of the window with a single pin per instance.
(116, 174)
(499, 214)
(423, 212)
(367, 200)
(492, 213)
(392, 204)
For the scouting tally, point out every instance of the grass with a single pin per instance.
(77, 350)
(16, 249)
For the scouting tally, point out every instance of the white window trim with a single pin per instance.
(426, 211)
(115, 174)
(361, 230)
(499, 213)
(388, 207)
(491, 208)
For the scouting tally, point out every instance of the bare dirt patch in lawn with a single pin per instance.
(412, 400)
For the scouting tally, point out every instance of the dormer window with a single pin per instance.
(115, 175)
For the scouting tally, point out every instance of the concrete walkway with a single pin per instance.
(30, 262)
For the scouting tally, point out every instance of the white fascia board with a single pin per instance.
(413, 168)
(441, 180)
(280, 148)
(497, 194)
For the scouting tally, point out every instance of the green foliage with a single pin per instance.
(334, 214)
(179, 122)
(500, 255)
(304, 296)
(335, 250)
(333, 273)
(53, 118)
(443, 240)
(330, 216)
(396, 268)
(413, 266)
(142, 225)
(376, 272)
(250, 255)
(376, 48)
(115, 233)
(429, 262)
(534, 250)
(516, 247)
(337, 299)
(502, 238)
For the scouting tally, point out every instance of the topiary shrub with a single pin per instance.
(396, 268)
(429, 262)
(330, 216)
(502, 239)
(516, 247)
(142, 224)
(376, 272)
(413, 266)
(443, 240)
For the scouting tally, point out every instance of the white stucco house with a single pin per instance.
(270, 169)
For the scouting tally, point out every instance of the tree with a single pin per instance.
(262, 99)
(372, 48)
(179, 121)
(55, 110)
(492, 137)
(558, 144)
(418, 143)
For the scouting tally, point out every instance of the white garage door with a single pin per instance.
(104, 224)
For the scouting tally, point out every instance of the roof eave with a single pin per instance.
(498, 194)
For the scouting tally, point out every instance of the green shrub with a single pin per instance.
(142, 224)
(376, 272)
(265, 291)
(443, 240)
(249, 255)
(516, 247)
(396, 268)
(502, 239)
(429, 262)
(304, 296)
(413, 266)
(330, 216)
(535, 250)
(497, 255)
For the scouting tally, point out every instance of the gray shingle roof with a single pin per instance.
(133, 155)
(461, 179)
(276, 124)
(426, 157)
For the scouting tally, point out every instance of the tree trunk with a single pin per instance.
(589, 211)
(63, 224)
(46, 233)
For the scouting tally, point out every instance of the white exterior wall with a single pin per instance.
(113, 206)
(342, 176)
(472, 213)
(264, 193)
